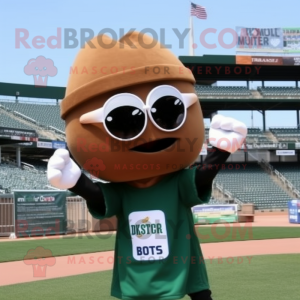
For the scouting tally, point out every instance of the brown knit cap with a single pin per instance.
(105, 65)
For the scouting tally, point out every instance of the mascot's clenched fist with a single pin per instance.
(63, 172)
(139, 122)
(226, 133)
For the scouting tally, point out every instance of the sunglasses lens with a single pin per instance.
(125, 122)
(168, 112)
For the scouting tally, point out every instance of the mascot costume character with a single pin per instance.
(132, 113)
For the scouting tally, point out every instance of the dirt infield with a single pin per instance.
(19, 272)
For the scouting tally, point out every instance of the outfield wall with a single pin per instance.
(78, 217)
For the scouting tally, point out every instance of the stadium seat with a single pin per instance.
(210, 91)
(252, 185)
(290, 170)
(47, 115)
(13, 178)
(279, 91)
(286, 134)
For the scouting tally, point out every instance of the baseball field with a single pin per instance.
(248, 261)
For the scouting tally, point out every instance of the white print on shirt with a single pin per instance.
(149, 235)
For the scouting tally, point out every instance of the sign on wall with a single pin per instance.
(294, 211)
(268, 46)
(40, 213)
(259, 38)
(18, 134)
(225, 213)
(285, 152)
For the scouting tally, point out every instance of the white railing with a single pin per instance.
(51, 187)
(281, 177)
(28, 167)
(57, 130)
(41, 126)
(53, 103)
(25, 117)
(227, 193)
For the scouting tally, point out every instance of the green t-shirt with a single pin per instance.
(157, 253)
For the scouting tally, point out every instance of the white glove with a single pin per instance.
(226, 133)
(62, 173)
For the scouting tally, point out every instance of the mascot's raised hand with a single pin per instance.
(227, 133)
(62, 173)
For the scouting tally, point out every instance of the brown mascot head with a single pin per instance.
(131, 110)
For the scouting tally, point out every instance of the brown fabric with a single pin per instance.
(135, 59)
(91, 141)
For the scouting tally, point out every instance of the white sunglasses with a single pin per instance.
(124, 116)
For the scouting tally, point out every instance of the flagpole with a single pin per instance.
(192, 53)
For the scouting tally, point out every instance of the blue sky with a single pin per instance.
(42, 18)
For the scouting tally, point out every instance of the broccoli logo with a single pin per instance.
(40, 68)
(39, 258)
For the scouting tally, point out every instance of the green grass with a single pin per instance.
(222, 233)
(264, 278)
(16, 250)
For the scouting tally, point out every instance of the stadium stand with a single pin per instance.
(251, 184)
(14, 178)
(279, 91)
(37, 164)
(12, 122)
(7, 121)
(290, 170)
(235, 91)
(255, 135)
(44, 114)
(286, 134)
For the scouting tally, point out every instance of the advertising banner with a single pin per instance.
(291, 40)
(285, 152)
(294, 211)
(40, 213)
(44, 144)
(41, 143)
(268, 60)
(25, 145)
(259, 38)
(268, 46)
(48, 144)
(58, 145)
(271, 146)
(18, 134)
(208, 214)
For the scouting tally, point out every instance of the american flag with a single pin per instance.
(198, 11)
